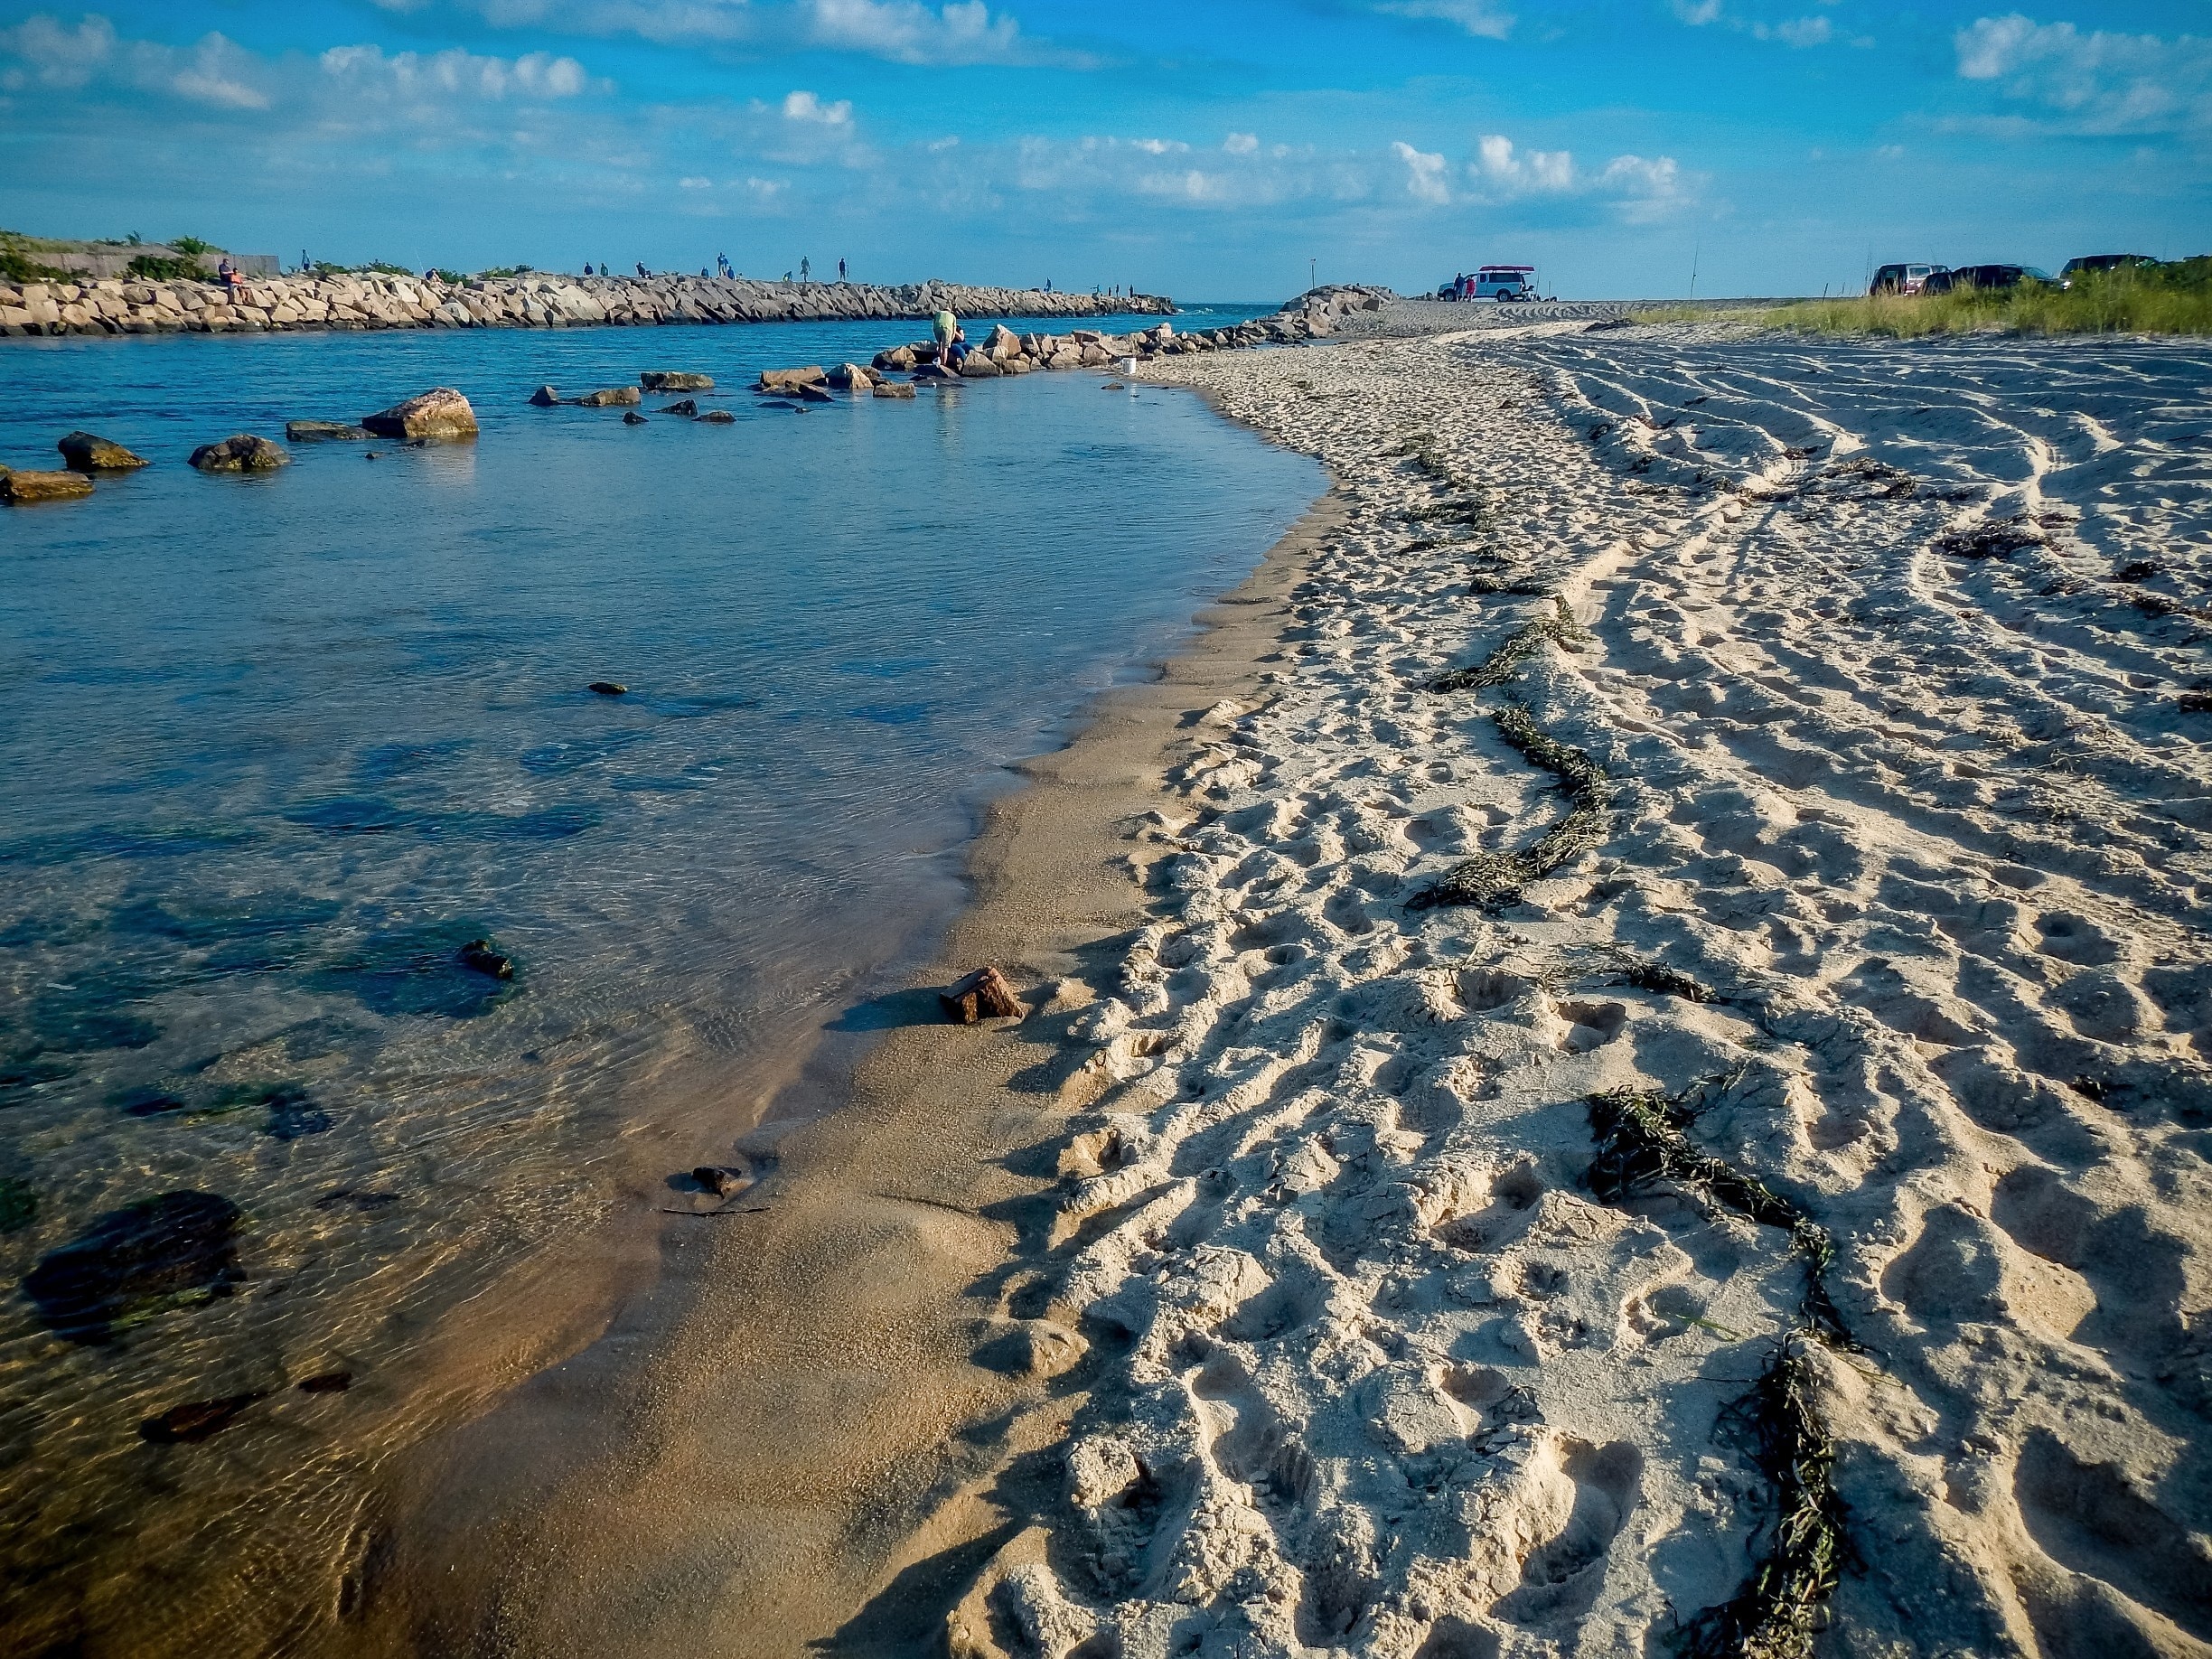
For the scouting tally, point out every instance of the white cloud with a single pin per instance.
(2097, 82)
(1482, 18)
(694, 184)
(806, 106)
(1639, 190)
(215, 71)
(444, 77)
(1241, 144)
(1506, 172)
(902, 31)
(1424, 174)
(1810, 30)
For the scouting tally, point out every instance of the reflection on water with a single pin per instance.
(298, 763)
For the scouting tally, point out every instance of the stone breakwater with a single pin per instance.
(533, 301)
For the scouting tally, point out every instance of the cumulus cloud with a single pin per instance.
(2097, 82)
(215, 71)
(439, 76)
(1424, 173)
(1482, 18)
(806, 106)
(1241, 144)
(1637, 189)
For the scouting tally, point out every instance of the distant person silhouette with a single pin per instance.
(840, 271)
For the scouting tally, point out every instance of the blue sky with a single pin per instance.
(1204, 148)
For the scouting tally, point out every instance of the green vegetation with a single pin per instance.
(153, 268)
(19, 261)
(2166, 299)
(191, 247)
(499, 273)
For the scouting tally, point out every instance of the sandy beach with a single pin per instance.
(1617, 1060)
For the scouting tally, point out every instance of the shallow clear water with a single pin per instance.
(276, 748)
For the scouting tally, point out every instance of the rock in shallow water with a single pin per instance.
(683, 406)
(180, 1245)
(670, 379)
(611, 398)
(790, 380)
(487, 958)
(19, 488)
(440, 413)
(893, 388)
(323, 432)
(633, 419)
(182, 1424)
(544, 398)
(242, 453)
(720, 417)
(85, 452)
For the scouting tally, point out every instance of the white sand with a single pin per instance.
(1376, 1371)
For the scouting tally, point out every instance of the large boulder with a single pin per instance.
(899, 358)
(933, 372)
(241, 454)
(82, 452)
(439, 412)
(851, 377)
(17, 488)
(670, 379)
(975, 366)
(790, 380)
(612, 398)
(323, 432)
(1002, 344)
(893, 388)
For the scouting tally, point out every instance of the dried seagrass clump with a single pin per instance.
(1501, 665)
(1497, 878)
(1781, 1606)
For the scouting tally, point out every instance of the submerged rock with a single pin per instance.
(84, 452)
(682, 405)
(242, 453)
(815, 394)
(325, 1382)
(544, 398)
(18, 488)
(487, 958)
(324, 432)
(611, 398)
(182, 1424)
(720, 417)
(440, 413)
(893, 388)
(608, 688)
(176, 1246)
(633, 419)
(670, 379)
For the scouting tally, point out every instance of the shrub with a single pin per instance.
(2165, 299)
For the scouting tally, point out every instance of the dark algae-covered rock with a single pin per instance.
(485, 957)
(179, 1246)
(544, 398)
(85, 452)
(181, 1425)
(688, 406)
(608, 688)
(242, 453)
(19, 1204)
(324, 432)
(633, 419)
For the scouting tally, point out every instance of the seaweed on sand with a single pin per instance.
(1490, 878)
(1501, 665)
(1778, 1611)
(1640, 1144)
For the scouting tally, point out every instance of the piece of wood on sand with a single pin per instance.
(981, 995)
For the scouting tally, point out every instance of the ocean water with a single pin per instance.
(277, 749)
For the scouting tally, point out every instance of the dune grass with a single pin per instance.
(2172, 299)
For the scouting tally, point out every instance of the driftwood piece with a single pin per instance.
(981, 995)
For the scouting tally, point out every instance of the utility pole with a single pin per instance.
(1696, 254)
(1312, 282)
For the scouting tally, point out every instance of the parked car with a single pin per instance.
(1984, 277)
(1903, 279)
(2102, 262)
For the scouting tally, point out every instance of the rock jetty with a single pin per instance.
(364, 301)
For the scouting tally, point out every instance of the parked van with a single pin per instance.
(1505, 282)
(1903, 279)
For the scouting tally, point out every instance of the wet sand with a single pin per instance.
(794, 1439)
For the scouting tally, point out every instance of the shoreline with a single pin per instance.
(903, 1195)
